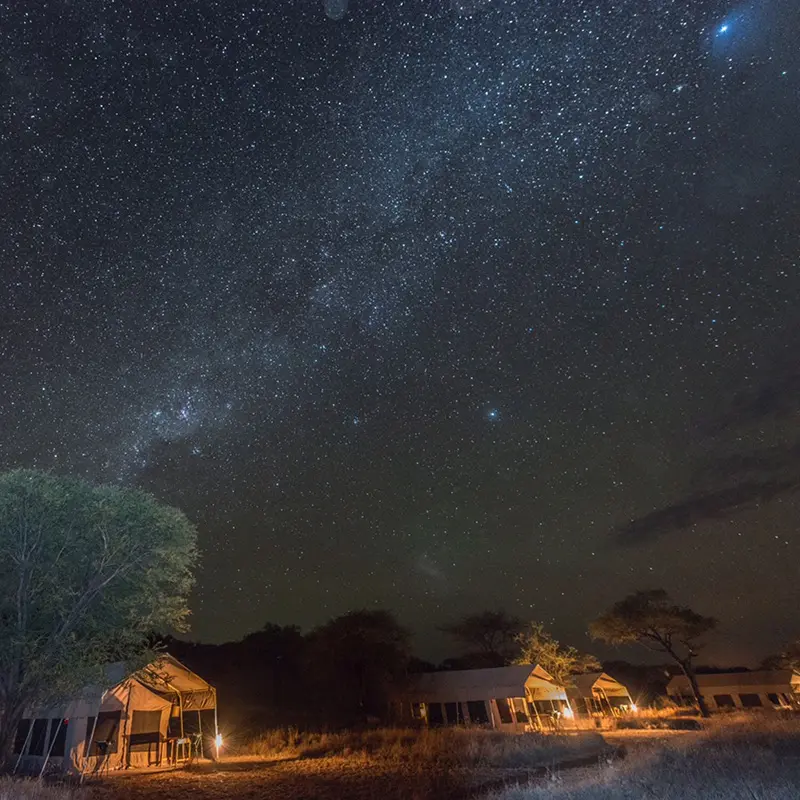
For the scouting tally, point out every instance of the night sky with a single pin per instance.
(414, 304)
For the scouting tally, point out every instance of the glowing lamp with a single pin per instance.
(568, 712)
(634, 707)
(218, 740)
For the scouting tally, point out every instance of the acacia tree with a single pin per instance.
(490, 634)
(788, 658)
(537, 646)
(86, 573)
(652, 619)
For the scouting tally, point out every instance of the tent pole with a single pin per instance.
(91, 742)
(24, 747)
(126, 726)
(50, 749)
(216, 726)
(200, 731)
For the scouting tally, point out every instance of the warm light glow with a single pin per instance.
(568, 712)
(634, 707)
(218, 741)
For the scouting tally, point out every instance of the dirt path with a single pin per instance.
(306, 779)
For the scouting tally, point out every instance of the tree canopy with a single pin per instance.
(788, 658)
(86, 573)
(537, 646)
(490, 636)
(653, 620)
(356, 660)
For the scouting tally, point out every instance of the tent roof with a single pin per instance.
(167, 674)
(493, 682)
(584, 684)
(775, 677)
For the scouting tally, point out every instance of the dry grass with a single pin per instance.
(31, 790)
(445, 748)
(744, 757)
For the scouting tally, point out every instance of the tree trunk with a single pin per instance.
(9, 721)
(688, 671)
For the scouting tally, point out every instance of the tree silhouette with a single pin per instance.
(355, 661)
(490, 637)
(651, 619)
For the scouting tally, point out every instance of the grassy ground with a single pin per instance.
(752, 757)
(451, 748)
(31, 790)
(447, 764)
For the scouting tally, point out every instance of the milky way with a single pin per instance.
(406, 303)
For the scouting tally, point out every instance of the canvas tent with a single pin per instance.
(138, 719)
(779, 688)
(597, 693)
(516, 698)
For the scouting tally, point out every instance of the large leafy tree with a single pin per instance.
(489, 637)
(537, 646)
(653, 620)
(86, 573)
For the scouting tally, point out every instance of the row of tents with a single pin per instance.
(525, 697)
(518, 698)
(165, 714)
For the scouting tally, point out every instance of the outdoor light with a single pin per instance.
(634, 707)
(568, 712)
(218, 740)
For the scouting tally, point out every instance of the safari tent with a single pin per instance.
(152, 717)
(598, 694)
(516, 698)
(770, 689)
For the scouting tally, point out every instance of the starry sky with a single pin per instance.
(418, 304)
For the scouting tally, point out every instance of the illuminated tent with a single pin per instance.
(598, 693)
(149, 718)
(515, 698)
(770, 689)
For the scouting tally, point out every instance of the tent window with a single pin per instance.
(435, 716)
(477, 712)
(58, 737)
(453, 713)
(504, 710)
(105, 734)
(416, 711)
(773, 698)
(724, 700)
(146, 722)
(520, 713)
(38, 737)
(750, 700)
(22, 735)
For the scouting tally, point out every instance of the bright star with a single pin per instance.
(724, 28)
(493, 413)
